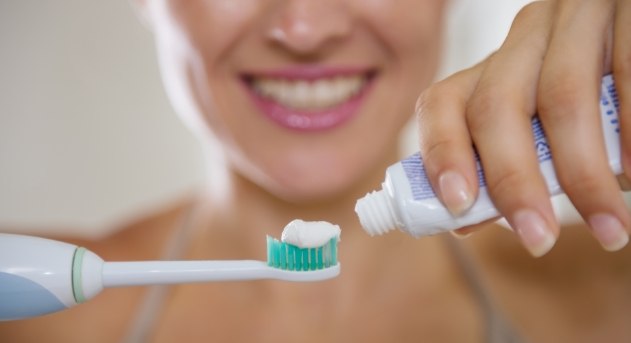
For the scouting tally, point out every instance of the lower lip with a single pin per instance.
(316, 120)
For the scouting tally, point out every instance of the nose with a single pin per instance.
(306, 26)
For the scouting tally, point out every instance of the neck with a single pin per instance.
(239, 213)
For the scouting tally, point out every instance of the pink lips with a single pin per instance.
(316, 120)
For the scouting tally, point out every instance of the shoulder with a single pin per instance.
(143, 236)
(140, 236)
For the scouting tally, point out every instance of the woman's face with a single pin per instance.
(306, 97)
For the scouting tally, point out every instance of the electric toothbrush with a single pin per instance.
(40, 276)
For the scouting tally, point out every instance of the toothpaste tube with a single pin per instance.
(407, 201)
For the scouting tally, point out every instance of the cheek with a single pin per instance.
(195, 39)
(211, 27)
(411, 29)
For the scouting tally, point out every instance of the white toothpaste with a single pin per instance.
(309, 234)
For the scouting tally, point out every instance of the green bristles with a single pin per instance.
(290, 257)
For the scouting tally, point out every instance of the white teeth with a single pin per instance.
(310, 95)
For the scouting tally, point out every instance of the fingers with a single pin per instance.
(568, 97)
(499, 117)
(551, 64)
(444, 140)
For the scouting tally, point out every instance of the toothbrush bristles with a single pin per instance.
(290, 257)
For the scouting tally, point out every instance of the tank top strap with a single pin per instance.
(497, 328)
(144, 322)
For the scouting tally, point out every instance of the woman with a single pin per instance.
(302, 102)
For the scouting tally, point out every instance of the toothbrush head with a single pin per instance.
(290, 257)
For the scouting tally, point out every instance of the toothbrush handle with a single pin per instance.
(140, 273)
(35, 276)
(117, 274)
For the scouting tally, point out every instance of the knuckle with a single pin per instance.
(509, 183)
(559, 98)
(486, 105)
(434, 152)
(424, 101)
(581, 181)
(531, 10)
(430, 101)
(455, 89)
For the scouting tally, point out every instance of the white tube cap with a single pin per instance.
(375, 213)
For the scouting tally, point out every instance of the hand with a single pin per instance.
(551, 63)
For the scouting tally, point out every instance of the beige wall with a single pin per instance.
(87, 137)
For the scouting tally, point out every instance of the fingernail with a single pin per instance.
(533, 231)
(455, 192)
(609, 231)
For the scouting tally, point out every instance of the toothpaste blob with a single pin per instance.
(309, 234)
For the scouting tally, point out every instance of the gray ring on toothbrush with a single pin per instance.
(77, 282)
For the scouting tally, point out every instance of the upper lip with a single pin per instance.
(308, 72)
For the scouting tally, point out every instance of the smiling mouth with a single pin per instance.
(310, 95)
(309, 99)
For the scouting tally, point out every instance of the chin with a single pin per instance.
(311, 195)
(314, 188)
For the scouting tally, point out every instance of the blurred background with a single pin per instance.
(88, 140)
